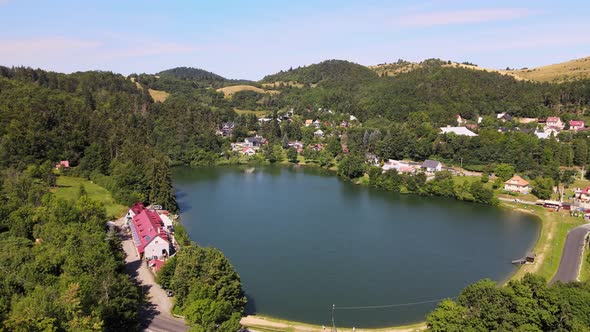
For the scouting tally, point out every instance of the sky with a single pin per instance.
(249, 39)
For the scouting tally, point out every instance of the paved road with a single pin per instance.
(571, 258)
(513, 200)
(155, 316)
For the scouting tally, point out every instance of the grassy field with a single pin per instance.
(585, 271)
(259, 114)
(560, 72)
(159, 96)
(68, 187)
(228, 91)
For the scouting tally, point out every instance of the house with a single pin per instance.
(517, 185)
(308, 122)
(576, 125)
(583, 196)
(344, 124)
(554, 122)
(63, 164)
(316, 147)
(248, 151)
(149, 235)
(135, 209)
(318, 133)
(460, 131)
(400, 166)
(431, 166)
(317, 124)
(504, 116)
(460, 120)
(352, 118)
(546, 134)
(297, 146)
(165, 216)
(227, 128)
(256, 141)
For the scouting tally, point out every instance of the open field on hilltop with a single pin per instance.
(560, 72)
(228, 91)
(159, 96)
(68, 188)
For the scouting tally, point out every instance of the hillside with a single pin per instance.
(560, 72)
(326, 71)
(556, 73)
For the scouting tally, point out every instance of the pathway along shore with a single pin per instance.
(571, 258)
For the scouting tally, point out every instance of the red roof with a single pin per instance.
(576, 123)
(145, 227)
(586, 190)
(63, 163)
(553, 119)
(517, 180)
(137, 208)
(156, 264)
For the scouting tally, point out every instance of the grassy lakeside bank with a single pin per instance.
(263, 323)
(549, 246)
(68, 188)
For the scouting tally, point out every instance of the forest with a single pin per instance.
(114, 133)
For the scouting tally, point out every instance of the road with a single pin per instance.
(571, 258)
(155, 315)
(513, 200)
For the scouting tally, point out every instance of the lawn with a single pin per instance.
(585, 271)
(68, 187)
(259, 114)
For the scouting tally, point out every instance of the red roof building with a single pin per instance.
(149, 234)
(63, 163)
(576, 125)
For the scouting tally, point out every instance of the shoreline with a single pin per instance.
(264, 323)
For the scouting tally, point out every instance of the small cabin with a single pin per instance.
(530, 257)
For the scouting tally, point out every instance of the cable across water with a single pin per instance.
(393, 305)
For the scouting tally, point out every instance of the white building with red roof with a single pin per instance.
(149, 233)
(576, 125)
(554, 122)
(517, 185)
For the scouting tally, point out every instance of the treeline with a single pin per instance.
(528, 304)
(61, 270)
(207, 288)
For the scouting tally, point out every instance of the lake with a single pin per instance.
(303, 239)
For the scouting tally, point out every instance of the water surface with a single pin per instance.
(302, 239)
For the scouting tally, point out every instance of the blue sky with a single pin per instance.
(249, 39)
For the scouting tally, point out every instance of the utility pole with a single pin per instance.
(333, 323)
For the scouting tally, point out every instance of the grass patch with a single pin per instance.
(68, 187)
(228, 91)
(158, 96)
(259, 114)
(585, 270)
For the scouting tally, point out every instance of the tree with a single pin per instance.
(292, 154)
(351, 166)
(580, 152)
(543, 187)
(504, 171)
(82, 191)
(160, 183)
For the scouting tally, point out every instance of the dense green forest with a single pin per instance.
(113, 133)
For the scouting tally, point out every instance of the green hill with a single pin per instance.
(189, 73)
(326, 71)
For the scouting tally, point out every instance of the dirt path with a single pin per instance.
(252, 322)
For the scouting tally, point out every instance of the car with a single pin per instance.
(169, 293)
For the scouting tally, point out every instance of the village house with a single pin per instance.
(317, 124)
(149, 234)
(297, 146)
(344, 124)
(63, 164)
(227, 128)
(576, 125)
(583, 195)
(318, 133)
(554, 122)
(255, 141)
(248, 151)
(308, 122)
(460, 120)
(504, 117)
(399, 166)
(546, 134)
(517, 185)
(431, 166)
(460, 131)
